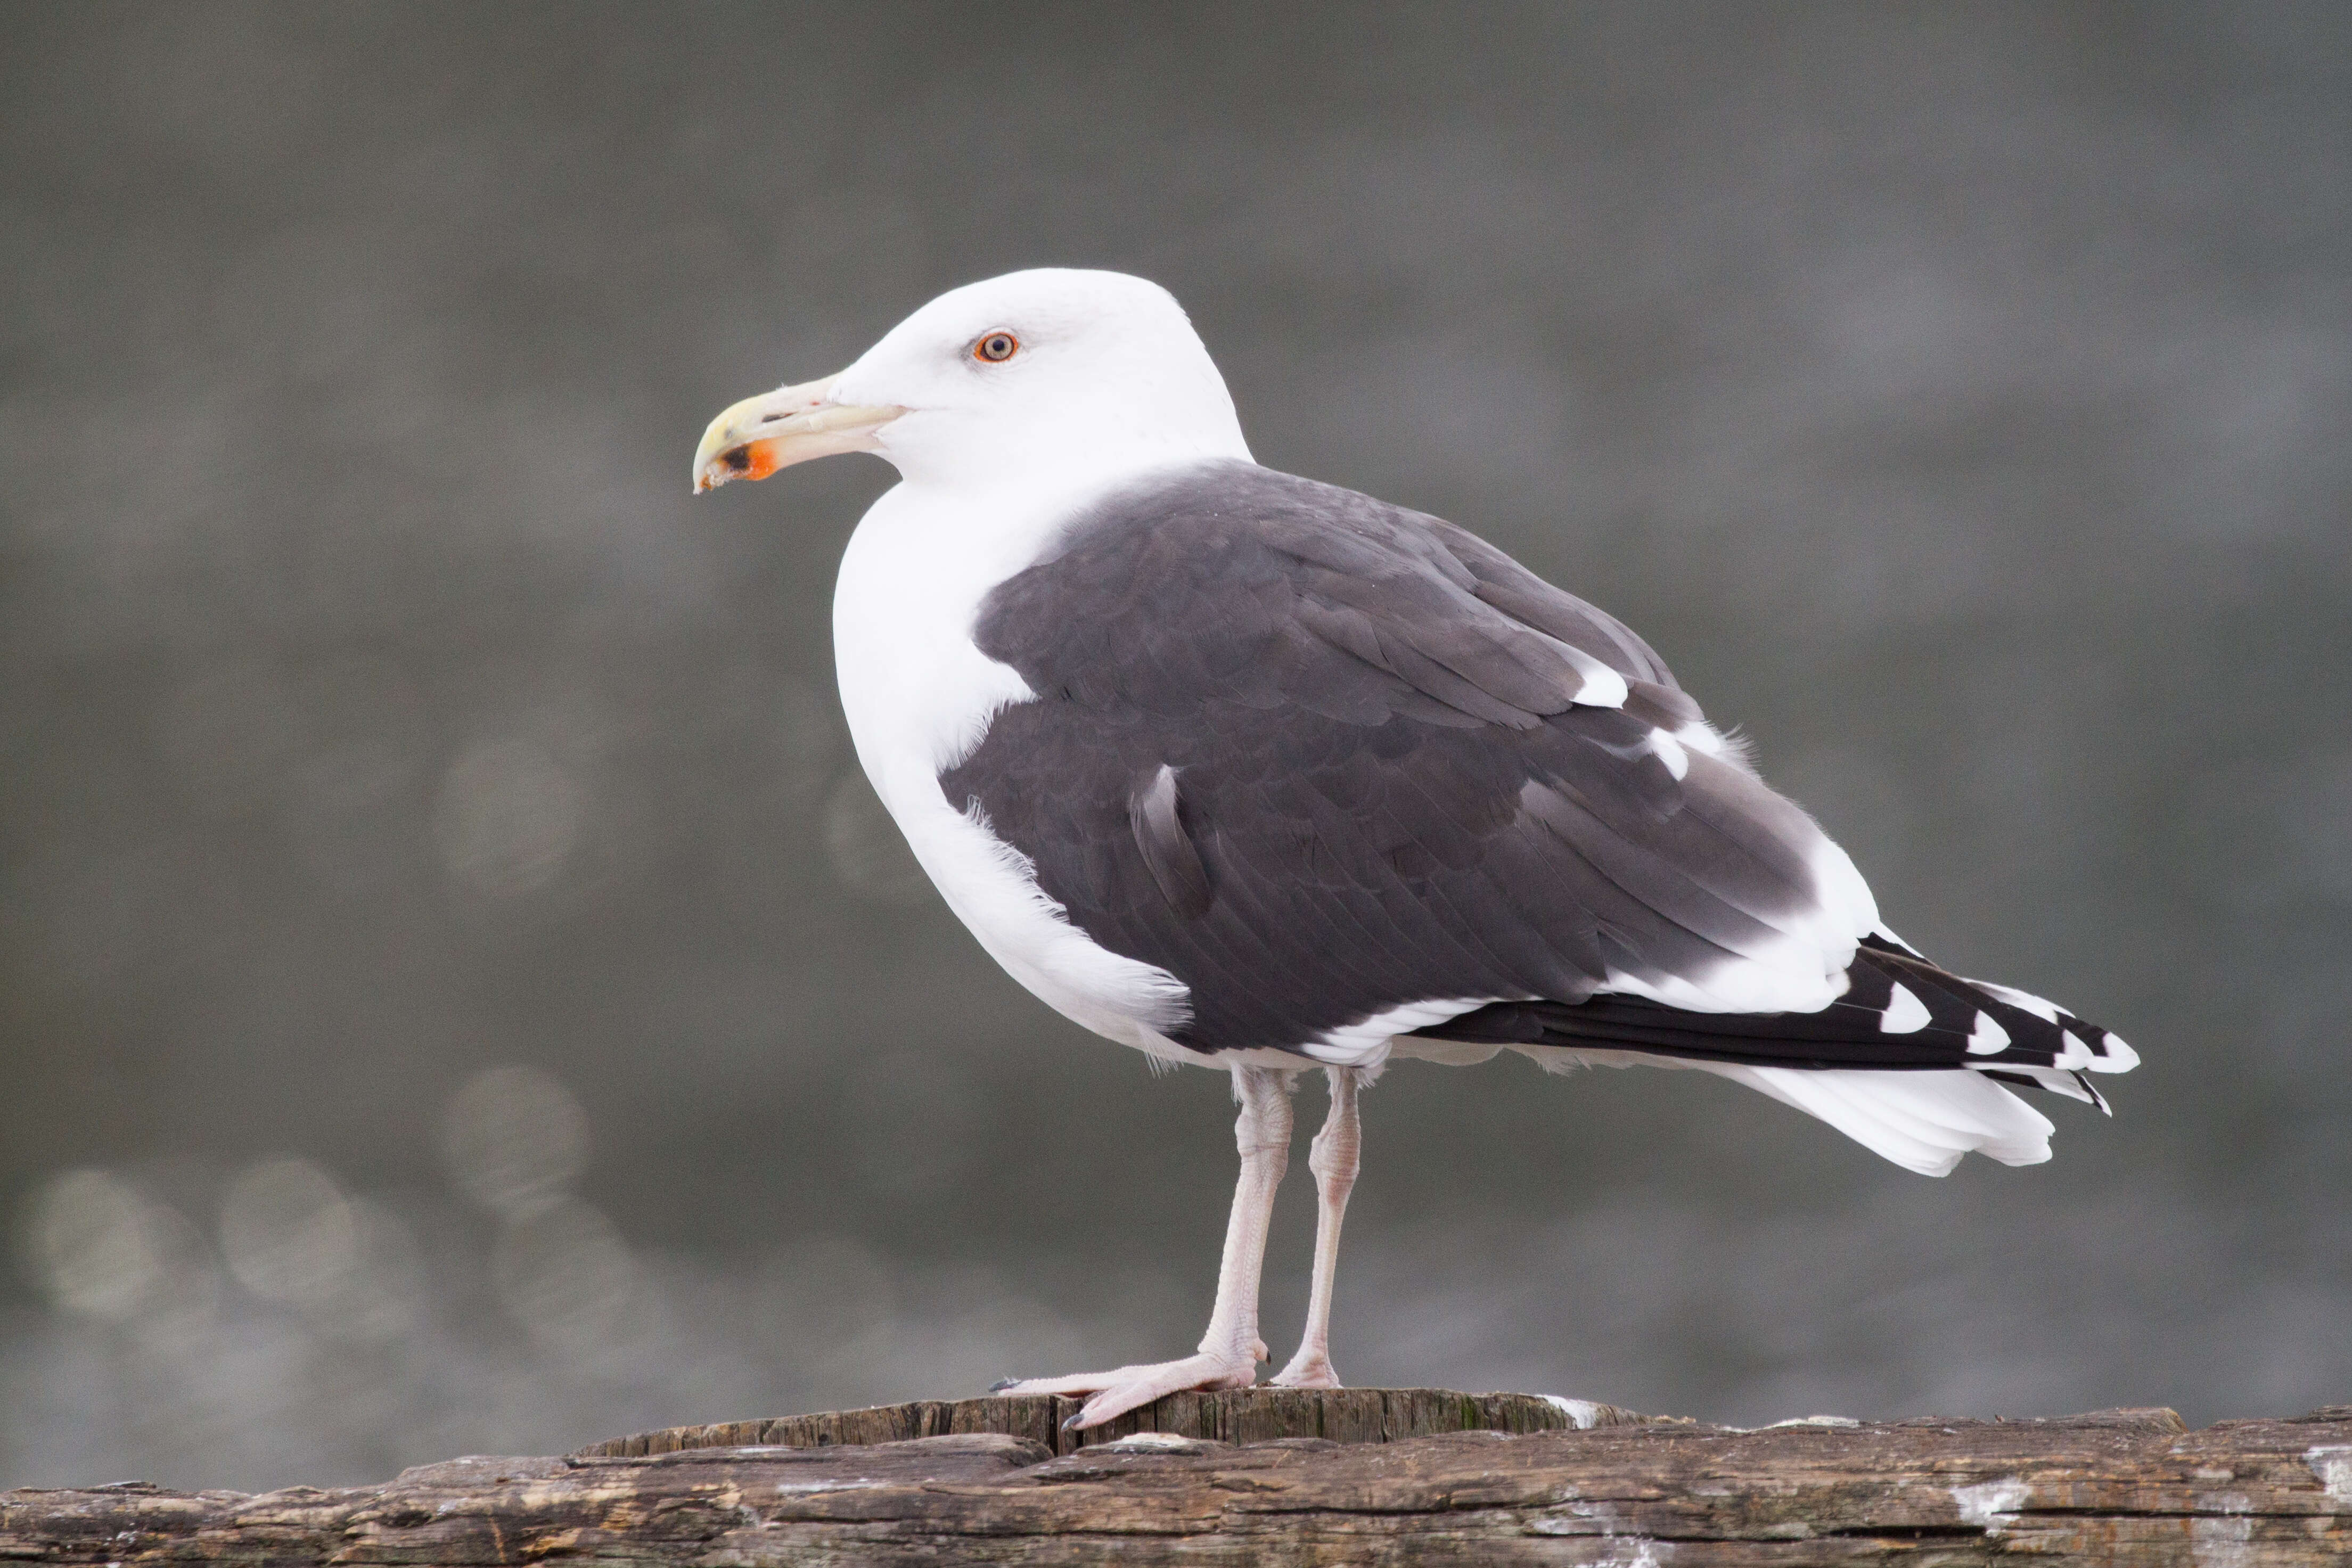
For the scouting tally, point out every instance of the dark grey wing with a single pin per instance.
(1525, 598)
(1323, 758)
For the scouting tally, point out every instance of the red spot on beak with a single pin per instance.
(752, 460)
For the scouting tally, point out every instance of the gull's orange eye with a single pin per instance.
(996, 348)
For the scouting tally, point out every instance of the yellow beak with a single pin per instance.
(778, 429)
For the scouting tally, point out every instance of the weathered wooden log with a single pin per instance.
(1238, 1415)
(2118, 1487)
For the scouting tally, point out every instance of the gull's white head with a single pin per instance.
(1050, 372)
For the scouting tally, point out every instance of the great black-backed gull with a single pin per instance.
(1252, 772)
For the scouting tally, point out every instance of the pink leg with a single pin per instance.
(1336, 1151)
(1231, 1350)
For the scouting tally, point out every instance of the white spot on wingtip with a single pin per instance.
(1988, 1038)
(1670, 752)
(1904, 1014)
(2120, 1058)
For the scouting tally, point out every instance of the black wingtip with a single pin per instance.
(1001, 1383)
(1885, 941)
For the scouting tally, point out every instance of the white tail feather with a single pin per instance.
(1922, 1121)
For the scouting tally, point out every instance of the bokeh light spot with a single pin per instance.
(94, 1244)
(290, 1234)
(515, 1139)
(509, 817)
(566, 1275)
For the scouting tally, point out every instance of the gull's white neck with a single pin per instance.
(918, 692)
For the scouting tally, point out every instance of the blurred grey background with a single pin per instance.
(457, 995)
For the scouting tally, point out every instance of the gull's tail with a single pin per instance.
(1910, 1061)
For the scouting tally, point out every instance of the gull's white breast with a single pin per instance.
(920, 696)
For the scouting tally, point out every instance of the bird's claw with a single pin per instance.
(1114, 1393)
(1317, 1373)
